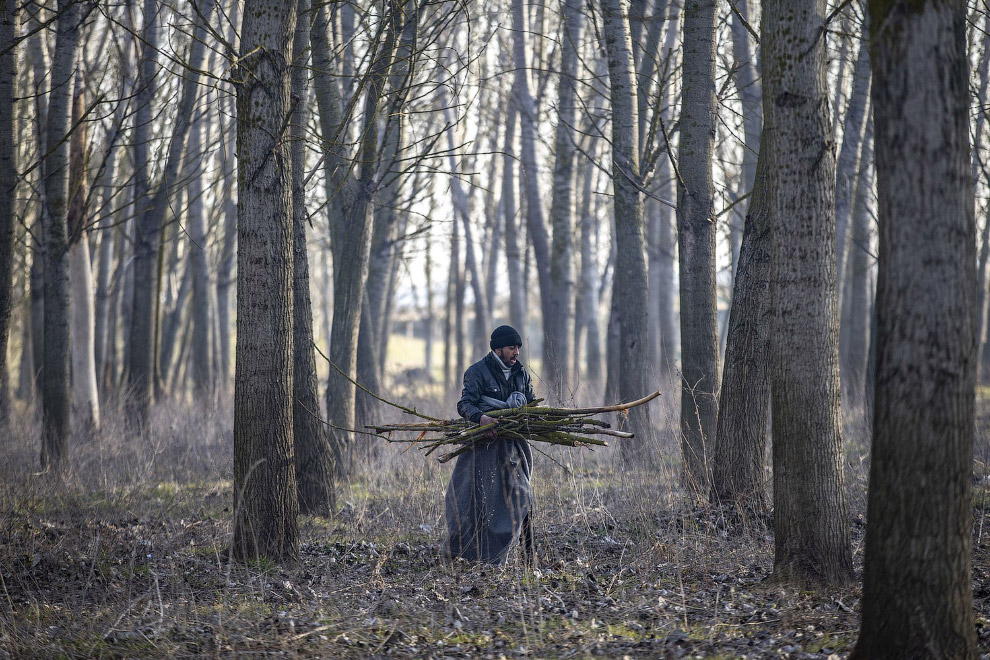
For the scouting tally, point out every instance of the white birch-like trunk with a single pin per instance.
(85, 395)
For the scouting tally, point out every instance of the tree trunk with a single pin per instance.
(225, 269)
(151, 213)
(513, 258)
(174, 320)
(629, 288)
(983, 367)
(202, 363)
(535, 222)
(449, 379)
(854, 332)
(37, 297)
(848, 164)
(350, 211)
(265, 504)
(750, 98)
(462, 210)
(811, 537)
(55, 374)
(314, 458)
(558, 325)
(738, 475)
(667, 245)
(145, 238)
(696, 245)
(85, 396)
(917, 589)
(8, 180)
(108, 232)
(587, 305)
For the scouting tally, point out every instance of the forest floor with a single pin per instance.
(127, 557)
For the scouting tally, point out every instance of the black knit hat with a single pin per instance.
(505, 335)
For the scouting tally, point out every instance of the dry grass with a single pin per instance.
(127, 557)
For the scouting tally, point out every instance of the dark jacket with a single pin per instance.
(485, 378)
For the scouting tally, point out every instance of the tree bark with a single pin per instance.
(462, 210)
(513, 258)
(587, 305)
(225, 270)
(314, 458)
(8, 181)
(750, 98)
(202, 289)
(983, 367)
(854, 332)
(848, 165)
(917, 589)
(667, 245)
(811, 536)
(558, 326)
(535, 223)
(630, 285)
(140, 354)
(151, 213)
(696, 246)
(738, 473)
(55, 374)
(265, 504)
(350, 210)
(85, 396)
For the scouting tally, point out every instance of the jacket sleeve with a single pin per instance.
(467, 407)
(530, 396)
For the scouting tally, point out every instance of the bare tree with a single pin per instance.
(536, 226)
(558, 326)
(202, 289)
(140, 356)
(85, 396)
(153, 207)
(696, 245)
(313, 454)
(512, 232)
(55, 376)
(847, 166)
(811, 538)
(917, 588)
(750, 98)
(265, 504)
(8, 183)
(350, 208)
(854, 330)
(738, 475)
(630, 284)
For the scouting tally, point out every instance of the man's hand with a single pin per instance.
(484, 421)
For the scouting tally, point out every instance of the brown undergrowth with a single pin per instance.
(126, 556)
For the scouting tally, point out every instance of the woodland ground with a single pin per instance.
(128, 558)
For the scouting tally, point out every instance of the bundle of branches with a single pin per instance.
(569, 427)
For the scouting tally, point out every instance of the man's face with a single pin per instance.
(508, 354)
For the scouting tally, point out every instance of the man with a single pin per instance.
(488, 500)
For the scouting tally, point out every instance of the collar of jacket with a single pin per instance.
(496, 370)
